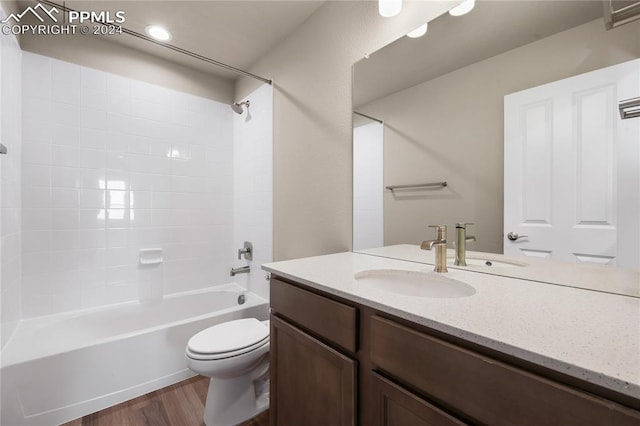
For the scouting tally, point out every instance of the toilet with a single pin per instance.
(235, 355)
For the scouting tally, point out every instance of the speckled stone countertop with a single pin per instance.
(590, 335)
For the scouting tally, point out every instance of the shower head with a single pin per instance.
(237, 106)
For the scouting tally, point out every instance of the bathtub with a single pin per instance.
(61, 367)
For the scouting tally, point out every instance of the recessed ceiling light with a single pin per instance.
(157, 32)
(463, 8)
(418, 32)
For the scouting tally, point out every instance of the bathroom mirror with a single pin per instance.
(441, 100)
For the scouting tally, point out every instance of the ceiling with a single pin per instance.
(240, 32)
(237, 33)
(491, 28)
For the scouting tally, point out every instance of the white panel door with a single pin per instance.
(572, 169)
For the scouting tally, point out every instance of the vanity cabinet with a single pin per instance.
(335, 362)
(483, 389)
(312, 383)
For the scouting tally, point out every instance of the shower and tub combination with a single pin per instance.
(133, 202)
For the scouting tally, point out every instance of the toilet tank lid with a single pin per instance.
(229, 336)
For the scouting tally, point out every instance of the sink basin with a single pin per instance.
(413, 283)
(478, 261)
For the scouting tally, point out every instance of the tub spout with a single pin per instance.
(241, 270)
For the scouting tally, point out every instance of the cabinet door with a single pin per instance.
(398, 407)
(311, 383)
(482, 388)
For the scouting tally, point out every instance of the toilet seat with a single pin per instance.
(228, 339)
(212, 357)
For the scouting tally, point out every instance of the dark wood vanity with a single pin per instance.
(336, 362)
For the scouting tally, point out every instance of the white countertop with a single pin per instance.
(590, 335)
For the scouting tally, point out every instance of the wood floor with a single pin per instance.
(181, 404)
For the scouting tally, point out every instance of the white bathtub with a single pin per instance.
(61, 367)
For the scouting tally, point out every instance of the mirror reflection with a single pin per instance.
(515, 107)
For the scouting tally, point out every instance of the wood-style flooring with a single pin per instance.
(181, 404)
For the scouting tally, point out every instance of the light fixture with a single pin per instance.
(418, 32)
(157, 32)
(463, 8)
(389, 8)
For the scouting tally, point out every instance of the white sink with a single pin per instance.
(478, 261)
(413, 283)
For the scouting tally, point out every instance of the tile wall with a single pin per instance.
(111, 166)
(253, 186)
(10, 171)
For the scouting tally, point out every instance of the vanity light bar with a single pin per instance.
(629, 108)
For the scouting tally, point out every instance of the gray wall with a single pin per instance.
(312, 71)
(452, 128)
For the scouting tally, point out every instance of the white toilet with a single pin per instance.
(235, 355)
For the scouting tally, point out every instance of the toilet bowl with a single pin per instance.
(235, 355)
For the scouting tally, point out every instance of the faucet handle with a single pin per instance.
(247, 251)
(441, 231)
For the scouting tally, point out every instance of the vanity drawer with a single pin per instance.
(481, 388)
(325, 317)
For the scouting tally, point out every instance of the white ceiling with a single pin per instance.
(237, 33)
(493, 27)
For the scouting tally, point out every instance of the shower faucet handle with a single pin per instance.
(247, 251)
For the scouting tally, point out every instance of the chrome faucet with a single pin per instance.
(461, 243)
(241, 270)
(441, 247)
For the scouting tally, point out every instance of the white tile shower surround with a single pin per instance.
(112, 165)
(253, 186)
(10, 175)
